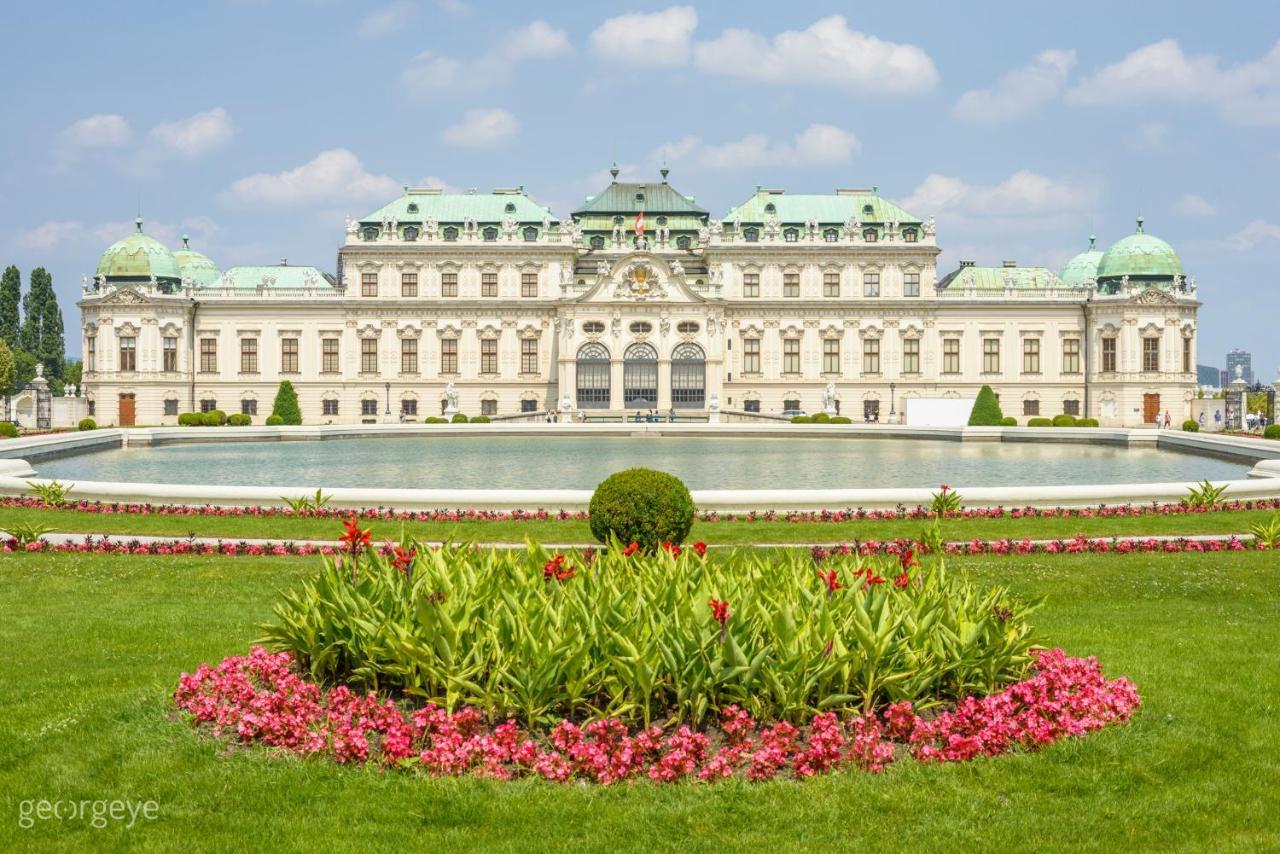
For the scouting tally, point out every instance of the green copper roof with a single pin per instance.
(1140, 255)
(1082, 267)
(138, 257)
(633, 197)
(1000, 278)
(194, 266)
(417, 205)
(281, 276)
(836, 208)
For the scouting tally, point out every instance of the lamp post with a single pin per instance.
(892, 405)
(388, 398)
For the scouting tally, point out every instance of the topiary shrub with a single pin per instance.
(841, 419)
(1190, 426)
(821, 418)
(274, 420)
(239, 419)
(480, 419)
(214, 418)
(801, 419)
(435, 419)
(459, 418)
(641, 506)
(286, 404)
(189, 419)
(1039, 422)
(986, 409)
(1064, 420)
(8, 430)
(87, 424)
(1272, 432)
(1086, 422)
(1008, 421)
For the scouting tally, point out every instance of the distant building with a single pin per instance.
(1244, 359)
(1209, 375)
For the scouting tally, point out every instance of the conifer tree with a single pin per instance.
(10, 300)
(286, 404)
(986, 409)
(41, 334)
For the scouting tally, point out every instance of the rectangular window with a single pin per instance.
(911, 284)
(911, 355)
(791, 355)
(750, 406)
(368, 284)
(288, 355)
(368, 407)
(488, 284)
(751, 284)
(528, 284)
(408, 284)
(1030, 407)
(328, 407)
(170, 354)
(248, 407)
(790, 405)
(489, 407)
(248, 355)
(1108, 355)
(1151, 354)
(170, 406)
(409, 406)
(871, 284)
(1071, 355)
(1070, 407)
(448, 284)
(408, 355)
(528, 406)
(329, 356)
(208, 404)
(791, 284)
(951, 355)
(128, 353)
(488, 355)
(368, 355)
(528, 355)
(449, 355)
(871, 355)
(91, 354)
(1187, 367)
(751, 355)
(831, 284)
(991, 355)
(1031, 355)
(208, 355)
(831, 355)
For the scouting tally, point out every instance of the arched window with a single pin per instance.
(830, 235)
(791, 235)
(593, 327)
(641, 327)
(909, 235)
(597, 242)
(751, 235)
(490, 234)
(688, 377)
(530, 234)
(593, 376)
(682, 242)
(510, 207)
(413, 207)
(640, 377)
(450, 233)
(411, 232)
(770, 208)
(870, 235)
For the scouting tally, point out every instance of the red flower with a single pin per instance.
(945, 488)
(672, 548)
(701, 548)
(631, 549)
(402, 559)
(830, 579)
(557, 569)
(902, 580)
(720, 611)
(908, 559)
(872, 578)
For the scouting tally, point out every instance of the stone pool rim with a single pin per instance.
(1263, 482)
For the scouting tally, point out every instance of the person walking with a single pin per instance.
(1168, 419)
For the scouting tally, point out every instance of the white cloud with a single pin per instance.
(1019, 91)
(335, 175)
(1150, 136)
(482, 129)
(197, 134)
(649, 40)
(1247, 94)
(1251, 236)
(388, 19)
(1025, 201)
(453, 7)
(63, 233)
(429, 73)
(816, 146)
(828, 53)
(48, 235)
(105, 130)
(1192, 205)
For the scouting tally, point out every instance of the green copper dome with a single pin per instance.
(138, 257)
(194, 266)
(1140, 255)
(1083, 267)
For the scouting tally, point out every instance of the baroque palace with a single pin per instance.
(639, 300)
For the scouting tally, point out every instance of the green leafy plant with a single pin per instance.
(87, 424)
(459, 418)
(1190, 426)
(1086, 422)
(286, 404)
(239, 419)
(1268, 532)
(8, 430)
(841, 419)
(435, 419)
(480, 419)
(213, 418)
(307, 504)
(51, 492)
(1008, 421)
(1064, 420)
(986, 409)
(1272, 432)
(945, 500)
(28, 532)
(652, 636)
(1039, 422)
(274, 421)
(821, 418)
(801, 419)
(641, 506)
(1204, 495)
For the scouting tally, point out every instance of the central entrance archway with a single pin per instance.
(688, 377)
(640, 377)
(593, 376)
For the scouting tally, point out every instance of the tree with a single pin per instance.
(42, 330)
(73, 373)
(286, 404)
(10, 299)
(986, 409)
(8, 370)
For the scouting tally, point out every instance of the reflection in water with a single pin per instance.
(577, 462)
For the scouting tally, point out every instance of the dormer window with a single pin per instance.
(490, 234)
(751, 235)
(910, 235)
(867, 210)
(410, 233)
(370, 233)
(530, 234)
(870, 235)
(791, 235)
(450, 233)
(640, 198)
(682, 242)
(510, 208)
(413, 207)
(770, 208)
(617, 220)
(830, 235)
(597, 242)
(662, 220)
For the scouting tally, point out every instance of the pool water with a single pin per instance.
(580, 462)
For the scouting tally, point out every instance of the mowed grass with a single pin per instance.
(578, 531)
(93, 646)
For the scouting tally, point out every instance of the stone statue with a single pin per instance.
(717, 274)
(566, 275)
(469, 225)
(714, 402)
(100, 281)
(151, 281)
(716, 227)
(829, 399)
(1124, 281)
(352, 227)
(852, 227)
(429, 227)
(509, 226)
(84, 282)
(930, 227)
(40, 370)
(71, 390)
(737, 225)
(812, 227)
(617, 233)
(451, 398)
(677, 269)
(704, 235)
(546, 223)
(602, 268)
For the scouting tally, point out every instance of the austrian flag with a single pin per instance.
(640, 224)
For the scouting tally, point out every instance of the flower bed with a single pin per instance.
(261, 698)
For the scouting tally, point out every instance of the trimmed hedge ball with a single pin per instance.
(641, 506)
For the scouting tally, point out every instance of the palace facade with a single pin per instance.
(638, 300)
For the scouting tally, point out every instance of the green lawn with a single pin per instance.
(552, 531)
(94, 644)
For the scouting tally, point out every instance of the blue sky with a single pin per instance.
(257, 126)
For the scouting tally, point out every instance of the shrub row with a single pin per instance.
(821, 418)
(1062, 421)
(214, 418)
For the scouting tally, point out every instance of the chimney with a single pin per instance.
(284, 262)
(964, 264)
(1010, 263)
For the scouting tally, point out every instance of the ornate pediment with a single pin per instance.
(124, 296)
(640, 277)
(1154, 296)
